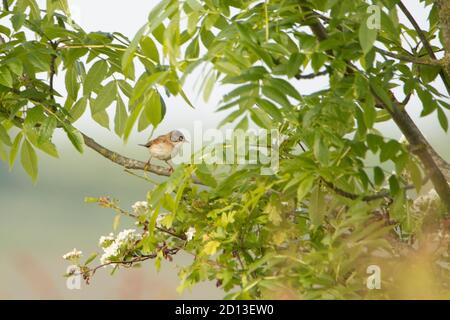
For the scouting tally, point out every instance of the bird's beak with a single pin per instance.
(186, 141)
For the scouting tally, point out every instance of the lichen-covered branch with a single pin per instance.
(124, 161)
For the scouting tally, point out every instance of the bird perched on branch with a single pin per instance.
(165, 147)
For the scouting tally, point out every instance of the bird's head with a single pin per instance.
(177, 137)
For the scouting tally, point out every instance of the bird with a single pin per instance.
(165, 147)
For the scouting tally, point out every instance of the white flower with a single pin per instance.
(110, 252)
(190, 233)
(159, 219)
(72, 255)
(114, 248)
(127, 236)
(105, 241)
(140, 206)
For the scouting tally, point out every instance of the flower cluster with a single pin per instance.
(106, 241)
(115, 249)
(73, 255)
(190, 233)
(140, 207)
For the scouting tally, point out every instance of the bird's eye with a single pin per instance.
(181, 138)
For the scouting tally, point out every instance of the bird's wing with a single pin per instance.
(163, 138)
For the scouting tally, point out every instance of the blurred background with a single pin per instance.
(39, 223)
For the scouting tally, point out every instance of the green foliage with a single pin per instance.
(313, 227)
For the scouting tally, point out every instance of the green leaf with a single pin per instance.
(46, 130)
(159, 13)
(317, 61)
(132, 120)
(154, 108)
(120, 117)
(127, 58)
(428, 103)
(149, 48)
(369, 112)
(209, 86)
(3, 154)
(195, 5)
(304, 188)
(101, 118)
(389, 150)
(394, 186)
(260, 118)
(105, 97)
(270, 108)
(378, 176)
(78, 109)
(34, 116)
(443, 120)
(380, 92)
(192, 50)
(91, 258)
(211, 247)
(71, 81)
(5, 77)
(321, 150)
(14, 149)
(95, 76)
(415, 174)
(29, 160)
(276, 95)
(227, 68)
(285, 87)
(192, 22)
(41, 63)
(294, 63)
(151, 228)
(17, 20)
(4, 136)
(47, 146)
(429, 73)
(16, 66)
(116, 222)
(367, 36)
(316, 206)
(75, 137)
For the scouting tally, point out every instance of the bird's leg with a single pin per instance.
(170, 165)
(147, 165)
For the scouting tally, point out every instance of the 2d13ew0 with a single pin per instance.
(243, 309)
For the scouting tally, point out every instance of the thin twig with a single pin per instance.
(310, 75)
(425, 42)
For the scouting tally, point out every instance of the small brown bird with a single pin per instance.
(165, 147)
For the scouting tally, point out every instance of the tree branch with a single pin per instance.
(444, 21)
(115, 157)
(410, 58)
(409, 129)
(122, 160)
(310, 75)
(425, 43)
(367, 198)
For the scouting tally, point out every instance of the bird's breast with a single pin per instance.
(162, 151)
